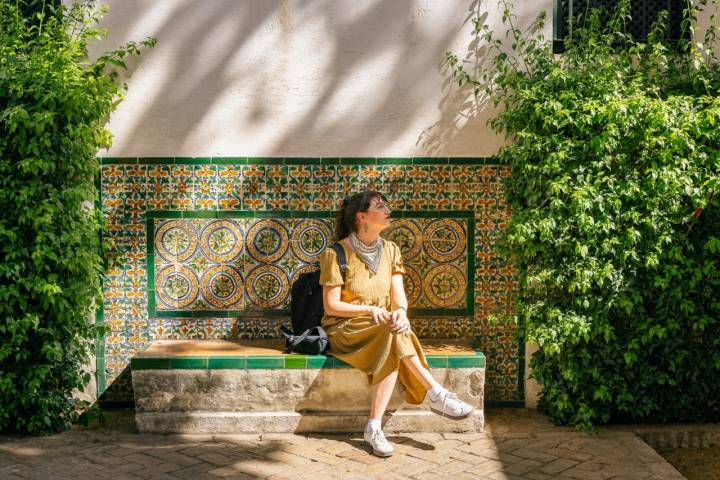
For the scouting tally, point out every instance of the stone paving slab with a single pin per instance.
(516, 444)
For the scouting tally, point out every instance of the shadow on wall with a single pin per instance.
(461, 113)
(227, 70)
(463, 116)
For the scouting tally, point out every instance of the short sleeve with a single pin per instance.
(330, 269)
(396, 256)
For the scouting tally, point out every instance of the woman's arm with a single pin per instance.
(398, 317)
(397, 292)
(336, 307)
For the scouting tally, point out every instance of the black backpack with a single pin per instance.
(306, 308)
(313, 341)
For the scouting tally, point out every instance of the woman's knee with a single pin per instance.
(408, 358)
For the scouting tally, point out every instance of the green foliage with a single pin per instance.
(53, 104)
(615, 229)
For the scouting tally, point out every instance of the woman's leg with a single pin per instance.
(412, 362)
(381, 393)
(441, 401)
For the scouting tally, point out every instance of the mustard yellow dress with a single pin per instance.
(359, 341)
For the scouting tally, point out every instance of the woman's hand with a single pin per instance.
(399, 320)
(380, 315)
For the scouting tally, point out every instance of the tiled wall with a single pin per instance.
(234, 264)
(208, 248)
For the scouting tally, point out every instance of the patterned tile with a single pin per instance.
(300, 187)
(254, 193)
(230, 264)
(277, 180)
(204, 274)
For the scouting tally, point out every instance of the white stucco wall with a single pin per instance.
(705, 20)
(337, 78)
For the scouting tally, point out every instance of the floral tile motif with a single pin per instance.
(212, 265)
(204, 264)
(327, 193)
(349, 180)
(254, 187)
(277, 180)
(229, 188)
(300, 187)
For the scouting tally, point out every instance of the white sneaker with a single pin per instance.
(376, 438)
(448, 405)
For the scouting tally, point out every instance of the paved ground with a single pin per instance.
(516, 444)
(695, 463)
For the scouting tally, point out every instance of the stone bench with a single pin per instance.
(251, 386)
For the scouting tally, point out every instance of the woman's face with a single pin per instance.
(377, 216)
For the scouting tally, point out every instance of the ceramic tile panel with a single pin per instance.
(208, 248)
(224, 266)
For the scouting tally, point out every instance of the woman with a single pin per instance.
(366, 316)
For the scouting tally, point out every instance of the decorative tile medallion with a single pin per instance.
(208, 248)
(244, 264)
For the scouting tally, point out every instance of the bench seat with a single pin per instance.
(251, 386)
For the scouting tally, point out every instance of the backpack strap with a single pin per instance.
(340, 252)
(292, 341)
(296, 339)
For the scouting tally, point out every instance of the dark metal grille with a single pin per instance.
(31, 8)
(643, 13)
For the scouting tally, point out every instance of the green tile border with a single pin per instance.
(430, 160)
(319, 361)
(285, 361)
(150, 363)
(337, 363)
(437, 361)
(394, 161)
(216, 363)
(230, 160)
(189, 363)
(265, 362)
(521, 368)
(299, 160)
(295, 361)
(100, 380)
(466, 361)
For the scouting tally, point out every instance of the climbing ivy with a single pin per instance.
(53, 105)
(614, 152)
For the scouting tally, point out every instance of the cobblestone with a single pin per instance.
(516, 444)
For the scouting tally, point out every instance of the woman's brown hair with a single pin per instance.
(346, 221)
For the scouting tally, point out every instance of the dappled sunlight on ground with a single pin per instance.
(516, 444)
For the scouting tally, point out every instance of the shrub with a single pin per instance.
(53, 104)
(615, 230)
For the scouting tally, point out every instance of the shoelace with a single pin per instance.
(445, 398)
(378, 434)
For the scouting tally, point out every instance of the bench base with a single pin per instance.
(223, 386)
(294, 422)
